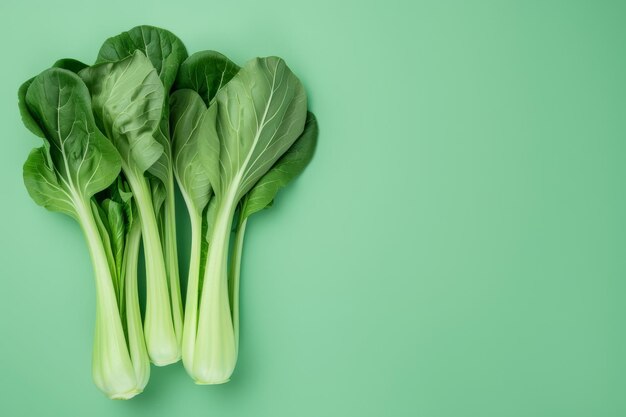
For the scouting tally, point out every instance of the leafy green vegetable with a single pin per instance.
(75, 163)
(116, 137)
(253, 119)
(127, 101)
(192, 142)
(166, 52)
(121, 227)
(196, 147)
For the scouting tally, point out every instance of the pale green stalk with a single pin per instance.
(136, 341)
(161, 340)
(235, 274)
(191, 303)
(215, 338)
(113, 370)
(170, 252)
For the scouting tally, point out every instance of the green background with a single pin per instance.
(456, 247)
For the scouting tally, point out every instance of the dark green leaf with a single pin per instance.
(70, 64)
(28, 120)
(83, 160)
(162, 48)
(106, 235)
(205, 72)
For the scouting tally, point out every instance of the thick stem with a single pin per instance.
(136, 341)
(235, 274)
(191, 302)
(112, 369)
(171, 258)
(215, 354)
(159, 331)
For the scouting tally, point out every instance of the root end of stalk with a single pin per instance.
(197, 382)
(126, 395)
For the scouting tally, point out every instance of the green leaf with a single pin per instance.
(161, 169)
(42, 185)
(195, 147)
(260, 113)
(164, 49)
(120, 193)
(77, 162)
(127, 102)
(116, 207)
(290, 165)
(83, 160)
(159, 194)
(27, 118)
(128, 99)
(70, 64)
(117, 228)
(166, 52)
(206, 72)
(106, 234)
(115, 212)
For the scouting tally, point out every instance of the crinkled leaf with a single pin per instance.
(161, 168)
(260, 113)
(164, 50)
(127, 102)
(195, 147)
(206, 72)
(288, 166)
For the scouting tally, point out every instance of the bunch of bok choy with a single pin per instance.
(117, 136)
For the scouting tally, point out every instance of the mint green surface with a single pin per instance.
(456, 248)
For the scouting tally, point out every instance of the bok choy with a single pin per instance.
(66, 174)
(117, 136)
(229, 132)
